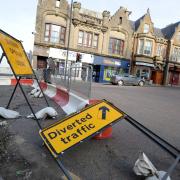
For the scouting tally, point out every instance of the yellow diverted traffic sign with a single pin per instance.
(15, 54)
(77, 127)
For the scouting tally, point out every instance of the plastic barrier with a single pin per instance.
(68, 101)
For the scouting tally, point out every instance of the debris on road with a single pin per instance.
(144, 167)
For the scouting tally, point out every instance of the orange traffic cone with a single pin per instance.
(105, 134)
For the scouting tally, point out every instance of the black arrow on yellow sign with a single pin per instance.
(104, 109)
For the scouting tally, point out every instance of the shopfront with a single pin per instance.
(104, 68)
(174, 75)
(144, 70)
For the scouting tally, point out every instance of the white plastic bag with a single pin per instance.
(143, 166)
(48, 111)
(8, 114)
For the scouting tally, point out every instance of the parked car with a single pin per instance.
(127, 79)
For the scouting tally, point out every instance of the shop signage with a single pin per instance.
(77, 127)
(144, 64)
(62, 54)
(15, 54)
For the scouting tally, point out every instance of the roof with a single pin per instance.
(169, 30)
(91, 13)
(137, 22)
(158, 32)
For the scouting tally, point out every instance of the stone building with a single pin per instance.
(104, 38)
(149, 50)
(172, 70)
(110, 43)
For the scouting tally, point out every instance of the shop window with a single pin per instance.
(54, 33)
(146, 28)
(88, 39)
(116, 46)
(143, 73)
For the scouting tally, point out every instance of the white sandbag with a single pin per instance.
(36, 94)
(33, 91)
(3, 123)
(144, 167)
(8, 114)
(48, 111)
(159, 176)
(41, 95)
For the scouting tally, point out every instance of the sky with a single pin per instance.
(17, 17)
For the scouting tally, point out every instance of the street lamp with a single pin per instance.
(69, 33)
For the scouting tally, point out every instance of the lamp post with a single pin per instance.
(69, 34)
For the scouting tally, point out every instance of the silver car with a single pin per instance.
(127, 79)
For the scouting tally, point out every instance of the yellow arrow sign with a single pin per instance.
(15, 54)
(74, 129)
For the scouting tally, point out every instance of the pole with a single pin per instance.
(69, 33)
(1, 57)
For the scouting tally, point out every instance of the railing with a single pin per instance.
(78, 78)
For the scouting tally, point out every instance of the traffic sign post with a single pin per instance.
(21, 67)
(19, 63)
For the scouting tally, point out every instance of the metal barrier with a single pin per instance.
(81, 79)
(78, 78)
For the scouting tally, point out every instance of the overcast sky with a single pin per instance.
(17, 17)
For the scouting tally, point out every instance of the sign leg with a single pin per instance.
(39, 125)
(172, 167)
(2, 57)
(65, 171)
(18, 80)
(41, 89)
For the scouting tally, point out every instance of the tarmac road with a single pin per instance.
(110, 159)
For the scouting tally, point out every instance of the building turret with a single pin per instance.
(106, 15)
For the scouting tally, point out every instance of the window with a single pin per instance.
(176, 54)
(148, 47)
(57, 3)
(146, 28)
(145, 47)
(88, 39)
(95, 40)
(141, 46)
(178, 36)
(120, 20)
(80, 39)
(161, 50)
(54, 33)
(116, 46)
